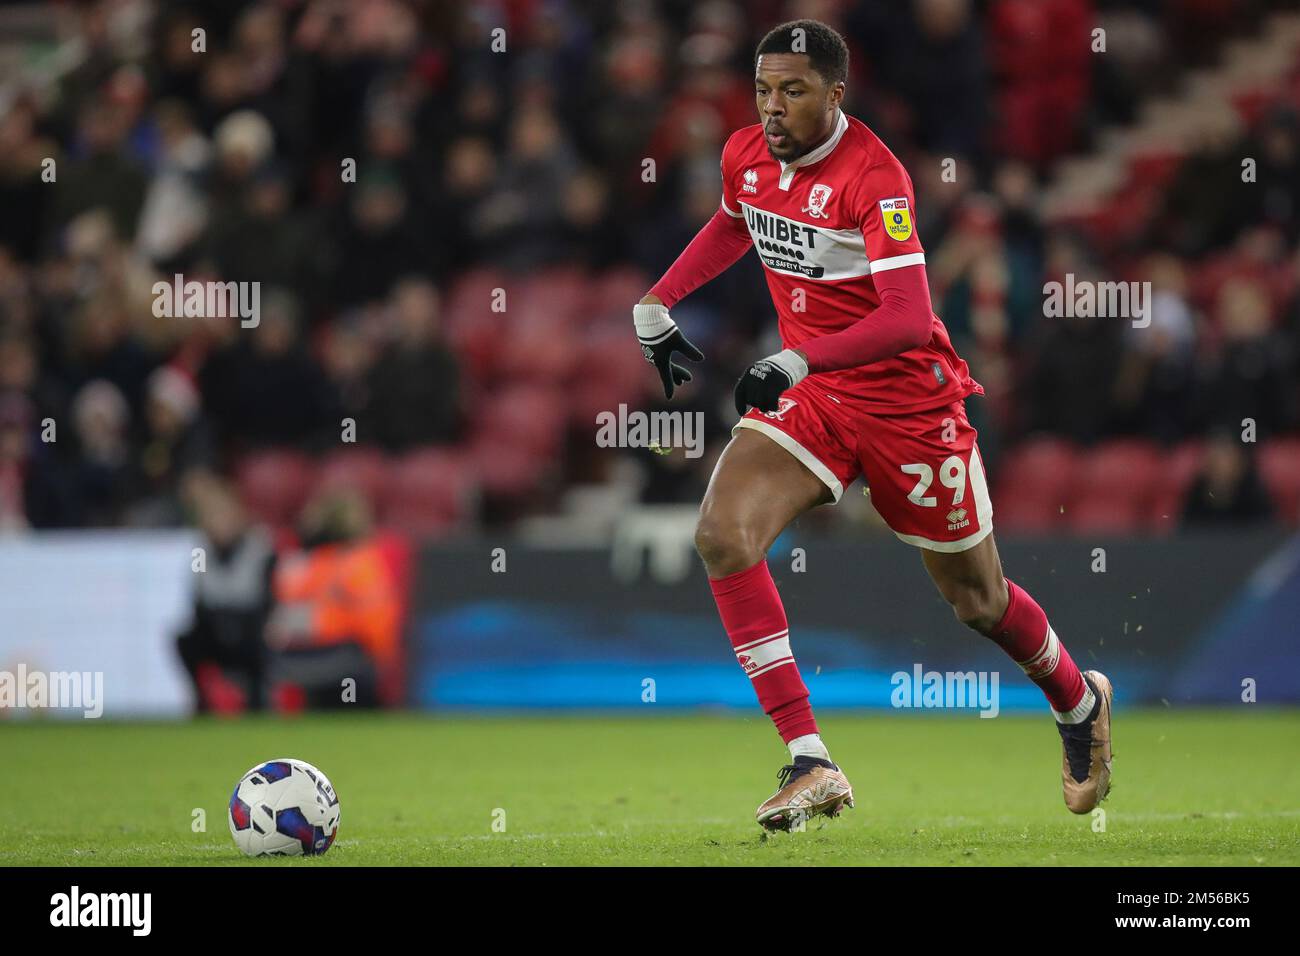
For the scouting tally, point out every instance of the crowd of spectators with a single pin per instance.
(227, 159)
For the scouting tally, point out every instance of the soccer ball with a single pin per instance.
(284, 807)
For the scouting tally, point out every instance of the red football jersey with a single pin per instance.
(823, 225)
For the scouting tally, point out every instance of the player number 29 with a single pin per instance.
(952, 474)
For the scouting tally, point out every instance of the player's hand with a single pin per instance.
(762, 384)
(660, 338)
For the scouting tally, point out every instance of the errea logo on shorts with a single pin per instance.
(957, 519)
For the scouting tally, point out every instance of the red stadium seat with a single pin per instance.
(430, 491)
(1123, 470)
(274, 484)
(1178, 468)
(531, 417)
(360, 469)
(1279, 467)
(1098, 513)
(473, 329)
(1040, 468)
(507, 469)
(561, 291)
(1184, 463)
(537, 345)
(614, 371)
(1026, 515)
(519, 435)
(615, 292)
(472, 293)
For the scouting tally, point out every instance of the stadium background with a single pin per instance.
(522, 171)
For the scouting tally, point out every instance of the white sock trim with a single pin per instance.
(1080, 711)
(809, 745)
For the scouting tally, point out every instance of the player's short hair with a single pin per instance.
(826, 50)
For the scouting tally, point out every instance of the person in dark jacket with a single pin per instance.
(1228, 492)
(225, 646)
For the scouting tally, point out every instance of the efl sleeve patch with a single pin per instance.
(896, 214)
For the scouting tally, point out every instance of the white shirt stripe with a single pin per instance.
(898, 262)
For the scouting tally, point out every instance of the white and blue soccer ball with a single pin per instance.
(284, 807)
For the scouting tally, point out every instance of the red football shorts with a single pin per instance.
(922, 469)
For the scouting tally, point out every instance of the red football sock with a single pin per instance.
(1025, 634)
(754, 619)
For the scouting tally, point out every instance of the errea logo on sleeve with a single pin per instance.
(896, 214)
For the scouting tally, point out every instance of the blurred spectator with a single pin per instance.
(100, 172)
(102, 347)
(101, 474)
(257, 237)
(267, 388)
(1249, 376)
(939, 65)
(349, 360)
(1277, 200)
(24, 197)
(380, 240)
(415, 389)
(175, 206)
(525, 209)
(224, 648)
(1155, 388)
(1073, 364)
(1228, 491)
(337, 616)
(32, 494)
(469, 171)
(176, 442)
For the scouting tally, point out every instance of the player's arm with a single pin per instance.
(715, 248)
(902, 321)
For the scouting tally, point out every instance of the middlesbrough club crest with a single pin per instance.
(817, 199)
(783, 405)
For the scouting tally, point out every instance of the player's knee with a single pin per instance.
(725, 546)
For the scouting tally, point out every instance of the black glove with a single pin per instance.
(660, 338)
(764, 381)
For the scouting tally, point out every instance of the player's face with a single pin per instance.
(795, 104)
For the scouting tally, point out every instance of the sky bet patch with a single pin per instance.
(897, 216)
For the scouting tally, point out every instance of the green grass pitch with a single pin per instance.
(1191, 787)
